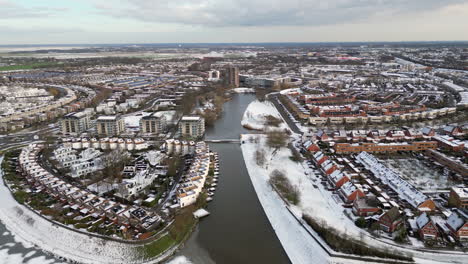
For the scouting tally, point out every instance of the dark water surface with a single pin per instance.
(237, 230)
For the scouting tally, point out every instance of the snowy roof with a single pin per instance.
(318, 154)
(336, 176)
(426, 130)
(455, 221)
(348, 188)
(404, 189)
(191, 118)
(422, 220)
(107, 118)
(462, 192)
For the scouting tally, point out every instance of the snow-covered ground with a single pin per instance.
(31, 229)
(133, 121)
(315, 201)
(180, 260)
(419, 174)
(255, 116)
(243, 90)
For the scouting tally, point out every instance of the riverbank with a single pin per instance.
(297, 242)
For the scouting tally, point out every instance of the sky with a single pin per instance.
(217, 21)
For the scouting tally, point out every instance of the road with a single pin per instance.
(284, 113)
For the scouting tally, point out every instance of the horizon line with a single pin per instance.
(238, 43)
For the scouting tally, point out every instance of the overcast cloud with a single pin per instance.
(150, 21)
(231, 13)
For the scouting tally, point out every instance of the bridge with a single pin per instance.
(222, 141)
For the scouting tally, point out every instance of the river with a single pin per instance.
(237, 231)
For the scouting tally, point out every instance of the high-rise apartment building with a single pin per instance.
(74, 123)
(192, 126)
(110, 125)
(231, 76)
(153, 124)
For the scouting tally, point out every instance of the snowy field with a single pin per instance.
(317, 202)
(419, 174)
(255, 116)
(34, 231)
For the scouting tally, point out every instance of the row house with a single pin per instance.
(191, 188)
(81, 200)
(338, 178)
(349, 192)
(404, 189)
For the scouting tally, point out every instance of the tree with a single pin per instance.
(260, 157)
(360, 222)
(113, 164)
(173, 165)
(401, 235)
(276, 139)
(375, 228)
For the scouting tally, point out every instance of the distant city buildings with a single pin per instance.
(110, 125)
(231, 76)
(192, 126)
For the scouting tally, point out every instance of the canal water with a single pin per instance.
(237, 230)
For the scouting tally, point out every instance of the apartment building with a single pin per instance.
(74, 123)
(110, 125)
(192, 126)
(153, 124)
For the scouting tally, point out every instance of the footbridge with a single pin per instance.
(235, 141)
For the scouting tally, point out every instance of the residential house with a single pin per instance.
(458, 225)
(391, 220)
(349, 192)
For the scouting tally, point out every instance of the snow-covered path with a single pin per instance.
(297, 242)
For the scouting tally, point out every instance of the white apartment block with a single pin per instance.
(110, 125)
(192, 126)
(153, 124)
(74, 123)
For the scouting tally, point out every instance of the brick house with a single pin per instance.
(391, 220)
(363, 207)
(426, 228)
(458, 225)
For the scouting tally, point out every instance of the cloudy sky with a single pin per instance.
(179, 21)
